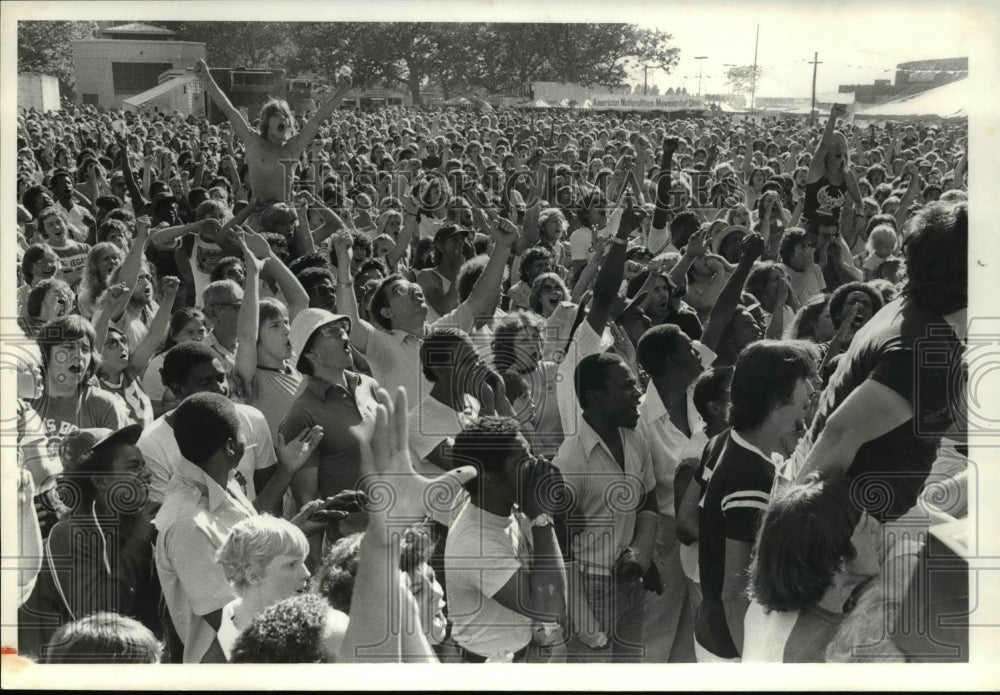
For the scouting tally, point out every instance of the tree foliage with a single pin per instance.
(240, 44)
(47, 48)
(455, 57)
(740, 78)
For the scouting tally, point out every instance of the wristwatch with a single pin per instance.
(542, 519)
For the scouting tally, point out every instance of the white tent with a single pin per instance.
(946, 101)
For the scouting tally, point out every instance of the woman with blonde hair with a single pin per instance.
(101, 263)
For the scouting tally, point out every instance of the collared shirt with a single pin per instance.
(193, 523)
(607, 497)
(585, 342)
(394, 356)
(163, 457)
(666, 442)
(337, 410)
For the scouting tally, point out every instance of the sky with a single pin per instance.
(857, 43)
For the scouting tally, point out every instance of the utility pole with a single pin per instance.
(645, 68)
(700, 60)
(812, 113)
(753, 76)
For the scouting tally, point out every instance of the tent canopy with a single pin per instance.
(947, 101)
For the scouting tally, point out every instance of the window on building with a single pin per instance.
(242, 80)
(133, 78)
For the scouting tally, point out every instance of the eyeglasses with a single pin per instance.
(333, 330)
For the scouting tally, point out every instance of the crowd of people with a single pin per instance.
(471, 386)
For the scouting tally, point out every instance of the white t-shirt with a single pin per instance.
(482, 553)
(159, 447)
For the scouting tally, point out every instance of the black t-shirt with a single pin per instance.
(917, 355)
(824, 199)
(734, 499)
(431, 161)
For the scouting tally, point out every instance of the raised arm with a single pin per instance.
(235, 118)
(347, 303)
(294, 293)
(305, 136)
(902, 210)
(248, 319)
(486, 292)
(751, 249)
(530, 229)
(659, 236)
(406, 234)
(143, 352)
(609, 279)
(818, 164)
(132, 264)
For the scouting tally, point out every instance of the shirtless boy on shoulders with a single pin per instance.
(272, 153)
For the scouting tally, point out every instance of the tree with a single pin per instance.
(47, 48)
(240, 44)
(741, 78)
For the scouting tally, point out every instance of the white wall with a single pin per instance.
(92, 60)
(38, 91)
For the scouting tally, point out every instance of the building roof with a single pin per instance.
(947, 101)
(138, 28)
(159, 90)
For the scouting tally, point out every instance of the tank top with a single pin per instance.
(824, 199)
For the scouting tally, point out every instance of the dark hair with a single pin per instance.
(684, 224)
(485, 444)
(531, 256)
(369, 264)
(308, 260)
(804, 538)
(180, 318)
(792, 238)
(806, 318)
(380, 300)
(203, 423)
(103, 638)
(289, 632)
(334, 580)
(30, 198)
(312, 276)
(764, 378)
(936, 247)
(839, 297)
(440, 348)
(358, 241)
(32, 255)
(591, 374)
(469, 274)
(656, 346)
(181, 359)
(711, 387)
(758, 278)
(223, 266)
